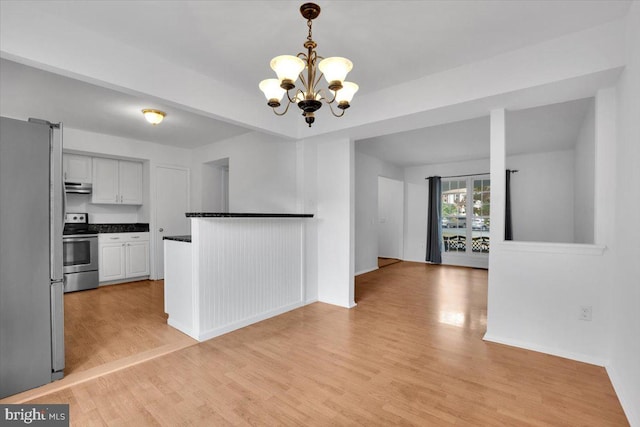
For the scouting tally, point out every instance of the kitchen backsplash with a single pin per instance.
(104, 214)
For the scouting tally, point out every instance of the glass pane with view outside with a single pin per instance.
(481, 220)
(454, 220)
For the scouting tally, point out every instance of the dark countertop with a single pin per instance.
(186, 238)
(244, 215)
(119, 228)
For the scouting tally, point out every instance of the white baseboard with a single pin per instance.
(121, 281)
(182, 328)
(547, 350)
(215, 332)
(630, 408)
(366, 271)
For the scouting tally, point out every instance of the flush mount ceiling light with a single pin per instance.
(153, 116)
(309, 98)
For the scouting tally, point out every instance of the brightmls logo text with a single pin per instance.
(35, 415)
(27, 416)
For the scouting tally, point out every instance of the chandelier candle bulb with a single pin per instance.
(307, 68)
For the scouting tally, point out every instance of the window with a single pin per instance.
(462, 233)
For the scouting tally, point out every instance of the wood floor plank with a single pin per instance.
(410, 353)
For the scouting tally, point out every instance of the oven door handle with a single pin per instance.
(77, 239)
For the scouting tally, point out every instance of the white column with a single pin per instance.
(336, 222)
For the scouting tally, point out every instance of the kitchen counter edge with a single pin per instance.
(185, 238)
(244, 215)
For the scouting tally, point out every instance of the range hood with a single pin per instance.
(77, 187)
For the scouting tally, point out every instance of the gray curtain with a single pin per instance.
(508, 226)
(434, 232)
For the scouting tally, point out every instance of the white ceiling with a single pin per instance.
(532, 130)
(233, 42)
(89, 107)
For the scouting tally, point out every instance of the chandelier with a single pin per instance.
(309, 97)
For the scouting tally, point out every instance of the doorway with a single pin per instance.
(215, 179)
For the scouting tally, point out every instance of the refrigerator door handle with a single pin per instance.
(57, 203)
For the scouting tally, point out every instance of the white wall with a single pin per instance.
(262, 173)
(624, 283)
(367, 171)
(542, 196)
(105, 214)
(307, 172)
(536, 290)
(584, 180)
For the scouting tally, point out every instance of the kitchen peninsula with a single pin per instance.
(234, 269)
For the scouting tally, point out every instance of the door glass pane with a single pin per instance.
(481, 220)
(454, 219)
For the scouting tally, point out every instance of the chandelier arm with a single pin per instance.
(291, 100)
(333, 112)
(285, 110)
(322, 92)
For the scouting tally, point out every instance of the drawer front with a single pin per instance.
(123, 237)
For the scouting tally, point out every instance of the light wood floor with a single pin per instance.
(114, 322)
(410, 353)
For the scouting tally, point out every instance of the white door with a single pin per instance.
(391, 218)
(172, 202)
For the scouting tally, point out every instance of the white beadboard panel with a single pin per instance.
(249, 269)
(212, 333)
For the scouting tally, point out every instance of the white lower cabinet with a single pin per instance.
(123, 256)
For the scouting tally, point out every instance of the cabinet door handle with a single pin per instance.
(135, 237)
(114, 238)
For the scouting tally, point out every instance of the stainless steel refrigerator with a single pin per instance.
(31, 277)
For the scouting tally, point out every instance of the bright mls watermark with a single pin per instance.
(35, 415)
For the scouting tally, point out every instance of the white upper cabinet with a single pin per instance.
(130, 174)
(117, 182)
(77, 168)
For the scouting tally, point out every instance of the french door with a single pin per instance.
(466, 215)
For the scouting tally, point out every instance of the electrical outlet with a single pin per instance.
(585, 312)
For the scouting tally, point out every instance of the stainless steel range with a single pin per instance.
(80, 253)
